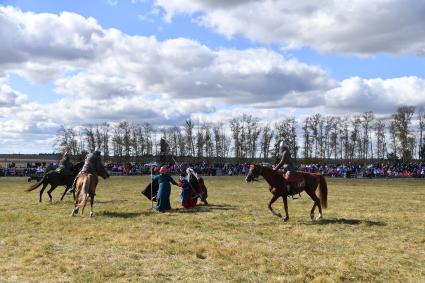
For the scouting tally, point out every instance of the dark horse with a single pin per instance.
(313, 184)
(55, 179)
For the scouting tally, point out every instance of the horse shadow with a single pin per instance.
(116, 214)
(348, 222)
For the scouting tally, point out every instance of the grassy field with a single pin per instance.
(374, 231)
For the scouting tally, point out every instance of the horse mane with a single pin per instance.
(278, 178)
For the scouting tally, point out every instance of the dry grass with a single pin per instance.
(374, 231)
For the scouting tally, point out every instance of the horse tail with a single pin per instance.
(323, 191)
(36, 185)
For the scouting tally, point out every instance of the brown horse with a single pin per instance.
(85, 188)
(55, 179)
(313, 184)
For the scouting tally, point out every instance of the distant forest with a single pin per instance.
(354, 138)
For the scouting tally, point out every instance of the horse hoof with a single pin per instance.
(320, 217)
(312, 216)
(91, 214)
(286, 219)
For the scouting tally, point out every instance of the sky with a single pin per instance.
(76, 62)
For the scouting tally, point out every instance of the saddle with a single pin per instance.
(295, 182)
(295, 177)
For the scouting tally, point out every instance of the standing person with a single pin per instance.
(65, 167)
(186, 195)
(164, 191)
(197, 184)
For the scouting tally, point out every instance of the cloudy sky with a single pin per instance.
(163, 61)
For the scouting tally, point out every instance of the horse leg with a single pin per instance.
(312, 211)
(91, 205)
(285, 205)
(49, 192)
(64, 192)
(274, 198)
(86, 196)
(42, 189)
(316, 203)
(75, 210)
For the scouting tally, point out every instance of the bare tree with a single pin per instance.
(402, 119)
(91, 142)
(235, 126)
(104, 128)
(379, 128)
(266, 138)
(366, 121)
(307, 138)
(188, 127)
(421, 120)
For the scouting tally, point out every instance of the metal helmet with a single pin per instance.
(283, 146)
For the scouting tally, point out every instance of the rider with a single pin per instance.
(91, 163)
(65, 166)
(287, 163)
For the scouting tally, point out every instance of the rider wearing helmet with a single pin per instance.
(287, 163)
(65, 167)
(91, 164)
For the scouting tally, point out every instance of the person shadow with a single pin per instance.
(344, 221)
(205, 208)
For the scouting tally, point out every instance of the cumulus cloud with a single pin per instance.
(356, 27)
(10, 97)
(40, 46)
(379, 95)
(106, 75)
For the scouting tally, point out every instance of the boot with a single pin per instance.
(73, 184)
(293, 190)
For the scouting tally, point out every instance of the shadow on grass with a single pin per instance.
(111, 201)
(115, 214)
(347, 222)
(196, 209)
(204, 208)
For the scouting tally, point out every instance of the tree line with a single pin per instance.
(358, 137)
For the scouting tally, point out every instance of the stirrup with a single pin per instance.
(299, 196)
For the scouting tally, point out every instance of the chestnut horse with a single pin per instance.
(313, 184)
(85, 188)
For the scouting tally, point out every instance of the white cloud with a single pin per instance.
(112, 2)
(378, 95)
(107, 75)
(42, 46)
(356, 27)
(10, 97)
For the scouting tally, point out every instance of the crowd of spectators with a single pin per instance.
(414, 169)
(386, 170)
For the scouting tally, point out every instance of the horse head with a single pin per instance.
(101, 171)
(253, 173)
